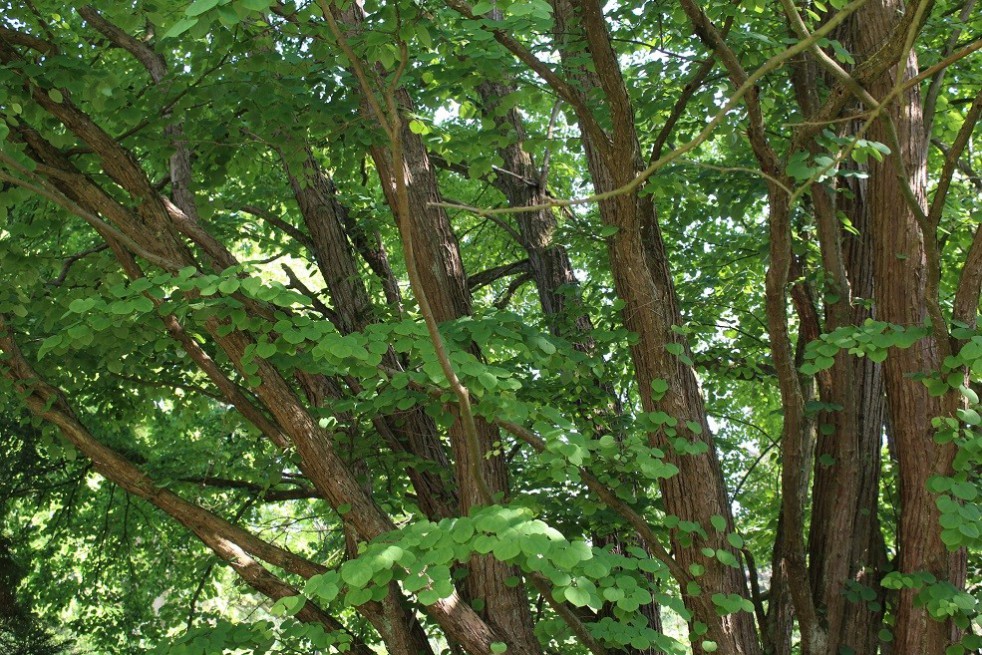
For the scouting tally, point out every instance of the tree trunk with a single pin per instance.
(438, 260)
(845, 544)
(903, 293)
(413, 431)
(643, 280)
(524, 185)
(443, 279)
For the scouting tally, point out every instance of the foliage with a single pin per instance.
(301, 341)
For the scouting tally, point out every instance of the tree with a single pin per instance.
(268, 264)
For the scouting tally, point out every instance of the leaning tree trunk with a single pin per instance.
(443, 281)
(525, 185)
(438, 259)
(643, 280)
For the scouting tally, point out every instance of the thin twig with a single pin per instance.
(70, 261)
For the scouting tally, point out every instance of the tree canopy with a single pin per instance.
(523, 326)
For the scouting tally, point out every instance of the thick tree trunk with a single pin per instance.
(844, 531)
(524, 185)
(903, 293)
(845, 544)
(413, 431)
(437, 260)
(437, 256)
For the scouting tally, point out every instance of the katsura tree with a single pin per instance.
(526, 327)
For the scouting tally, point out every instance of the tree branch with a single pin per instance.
(293, 232)
(951, 161)
(931, 98)
(562, 88)
(70, 261)
(488, 276)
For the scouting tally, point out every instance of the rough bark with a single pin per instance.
(844, 542)
(412, 192)
(438, 259)
(903, 272)
(643, 280)
(844, 531)
(525, 185)
(325, 219)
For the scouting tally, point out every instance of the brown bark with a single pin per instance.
(904, 292)
(324, 217)
(411, 191)
(524, 185)
(844, 543)
(444, 281)
(643, 280)
(844, 539)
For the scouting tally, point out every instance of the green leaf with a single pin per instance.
(545, 345)
(56, 96)
(659, 387)
(255, 5)
(48, 344)
(423, 35)
(356, 573)
(82, 305)
(287, 606)
(507, 549)
(577, 596)
(498, 647)
(179, 28)
(965, 490)
(229, 286)
(201, 6)
(798, 167)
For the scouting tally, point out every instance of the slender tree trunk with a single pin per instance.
(414, 431)
(444, 283)
(524, 185)
(643, 280)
